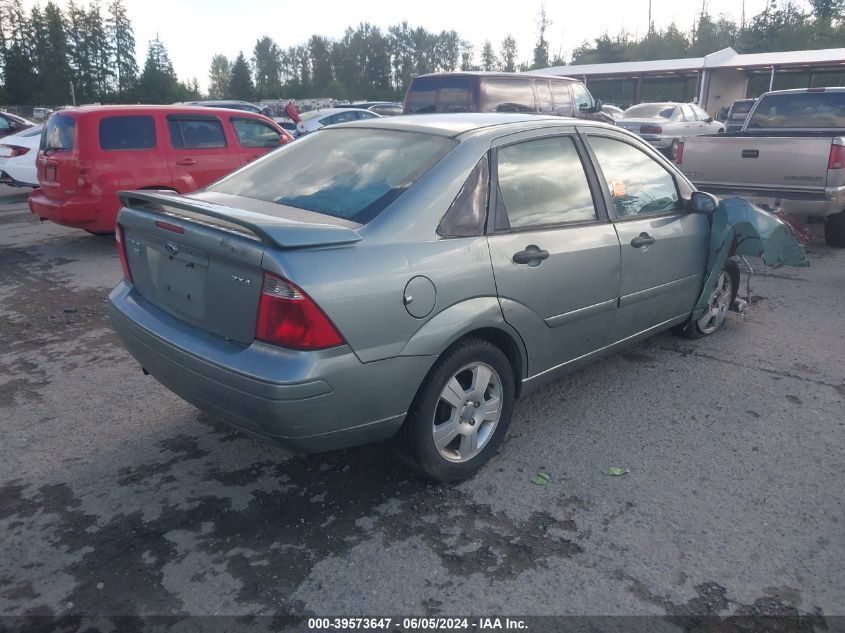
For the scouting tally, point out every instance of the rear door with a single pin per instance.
(690, 123)
(199, 152)
(664, 248)
(255, 137)
(555, 255)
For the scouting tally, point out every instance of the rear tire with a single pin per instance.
(718, 306)
(834, 230)
(461, 412)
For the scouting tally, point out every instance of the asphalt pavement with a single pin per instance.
(118, 498)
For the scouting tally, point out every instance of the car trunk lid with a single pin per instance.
(201, 261)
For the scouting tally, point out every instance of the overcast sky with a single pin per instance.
(193, 30)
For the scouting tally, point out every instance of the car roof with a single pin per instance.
(490, 73)
(146, 109)
(457, 124)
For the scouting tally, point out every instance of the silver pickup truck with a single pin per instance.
(790, 154)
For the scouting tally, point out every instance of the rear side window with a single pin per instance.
(800, 110)
(454, 94)
(468, 211)
(127, 132)
(509, 95)
(59, 133)
(563, 98)
(252, 133)
(422, 95)
(542, 182)
(196, 133)
(346, 173)
(544, 96)
(689, 113)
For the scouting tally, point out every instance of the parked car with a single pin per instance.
(359, 282)
(502, 92)
(12, 124)
(228, 104)
(612, 110)
(663, 125)
(384, 108)
(789, 154)
(315, 119)
(88, 154)
(39, 114)
(17, 158)
(737, 114)
(286, 124)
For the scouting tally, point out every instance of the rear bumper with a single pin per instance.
(84, 212)
(809, 204)
(304, 401)
(660, 142)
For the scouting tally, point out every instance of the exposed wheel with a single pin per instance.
(718, 305)
(672, 151)
(834, 230)
(461, 413)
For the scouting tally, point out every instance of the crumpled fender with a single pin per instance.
(737, 227)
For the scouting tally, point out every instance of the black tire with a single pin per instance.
(416, 436)
(671, 152)
(691, 329)
(834, 230)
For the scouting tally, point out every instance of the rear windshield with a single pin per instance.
(439, 94)
(741, 109)
(127, 132)
(649, 111)
(345, 173)
(59, 133)
(800, 110)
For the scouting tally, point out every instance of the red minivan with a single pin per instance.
(88, 154)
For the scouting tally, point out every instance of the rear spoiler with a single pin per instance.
(270, 230)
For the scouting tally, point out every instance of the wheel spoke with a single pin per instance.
(446, 432)
(708, 316)
(469, 444)
(490, 409)
(454, 394)
(481, 375)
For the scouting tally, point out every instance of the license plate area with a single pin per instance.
(178, 276)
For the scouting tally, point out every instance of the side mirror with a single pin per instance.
(709, 119)
(703, 202)
(597, 106)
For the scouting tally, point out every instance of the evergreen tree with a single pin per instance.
(219, 77)
(541, 50)
(265, 60)
(158, 82)
(100, 52)
(508, 54)
(121, 38)
(241, 86)
(489, 61)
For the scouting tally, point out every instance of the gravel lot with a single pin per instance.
(116, 497)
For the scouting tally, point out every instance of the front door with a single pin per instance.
(199, 152)
(555, 255)
(664, 247)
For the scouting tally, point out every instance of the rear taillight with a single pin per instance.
(290, 318)
(651, 129)
(16, 150)
(679, 152)
(121, 251)
(837, 157)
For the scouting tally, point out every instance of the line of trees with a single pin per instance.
(781, 26)
(86, 53)
(366, 63)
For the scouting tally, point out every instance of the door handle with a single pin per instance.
(643, 239)
(186, 161)
(528, 256)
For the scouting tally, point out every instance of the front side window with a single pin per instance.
(638, 184)
(583, 100)
(509, 95)
(542, 182)
(348, 173)
(196, 133)
(252, 133)
(127, 132)
(701, 114)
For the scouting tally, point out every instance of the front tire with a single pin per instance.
(834, 230)
(718, 305)
(461, 413)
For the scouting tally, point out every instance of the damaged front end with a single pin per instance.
(740, 229)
